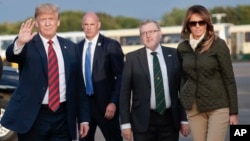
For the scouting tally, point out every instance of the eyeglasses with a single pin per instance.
(194, 23)
(150, 32)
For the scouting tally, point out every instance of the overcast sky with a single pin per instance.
(19, 10)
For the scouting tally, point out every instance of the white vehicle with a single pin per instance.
(236, 36)
(5, 41)
(240, 41)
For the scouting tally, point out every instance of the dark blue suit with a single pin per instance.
(106, 77)
(24, 106)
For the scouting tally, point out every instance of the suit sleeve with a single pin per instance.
(125, 96)
(1, 67)
(117, 60)
(82, 99)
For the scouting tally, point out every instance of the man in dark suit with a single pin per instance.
(46, 105)
(141, 118)
(103, 78)
(1, 67)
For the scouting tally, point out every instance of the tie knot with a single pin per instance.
(154, 53)
(90, 43)
(50, 42)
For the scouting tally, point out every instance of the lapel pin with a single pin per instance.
(99, 44)
(65, 47)
(169, 55)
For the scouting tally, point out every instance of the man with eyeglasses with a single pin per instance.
(149, 106)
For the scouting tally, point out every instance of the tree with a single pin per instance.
(127, 22)
(175, 17)
(238, 15)
(9, 28)
(108, 22)
(70, 21)
(244, 13)
(235, 15)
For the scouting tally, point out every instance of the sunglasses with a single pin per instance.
(194, 23)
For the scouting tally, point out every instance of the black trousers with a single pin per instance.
(49, 126)
(161, 128)
(109, 128)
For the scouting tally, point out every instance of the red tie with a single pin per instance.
(53, 77)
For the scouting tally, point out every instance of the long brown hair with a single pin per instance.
(210, 34)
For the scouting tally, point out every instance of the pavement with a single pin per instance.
(242, 75)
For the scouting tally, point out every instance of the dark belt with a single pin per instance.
(46, 106)
(91, 95)
(166, 111)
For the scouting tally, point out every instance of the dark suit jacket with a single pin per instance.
(25, 103)
(106, 71)
(1, 67)
(136, 79)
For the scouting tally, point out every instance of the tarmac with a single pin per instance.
(242, 75)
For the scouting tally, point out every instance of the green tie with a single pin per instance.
(159, 89)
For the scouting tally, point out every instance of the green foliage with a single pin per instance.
(173, 18)
(108, 22)
(244, 14)
(232, 16)
(9, 28)
(71, 20)
(127, 22)
(235, 15)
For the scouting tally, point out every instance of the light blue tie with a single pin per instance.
(88, 79)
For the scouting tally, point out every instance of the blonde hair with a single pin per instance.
(47, 8)
(210, 33)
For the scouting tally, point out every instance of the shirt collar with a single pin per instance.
(54, 39)
(158, 50)
(94, 40)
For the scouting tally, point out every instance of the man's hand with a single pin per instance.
(84, 128)
(110, 111)
(185, 130)
(127, 134)
(25, 33)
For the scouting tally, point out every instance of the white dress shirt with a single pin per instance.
(151, 73)
(62, 81)
(164, 76)
(85, 46)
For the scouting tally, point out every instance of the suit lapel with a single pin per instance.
(97, 52)
(41, 50)
(81, 46)
(142, 56)
(65, 55)
(168, 60)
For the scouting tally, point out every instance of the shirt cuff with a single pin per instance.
(17, 50)
(126, 126)
(184, 122)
